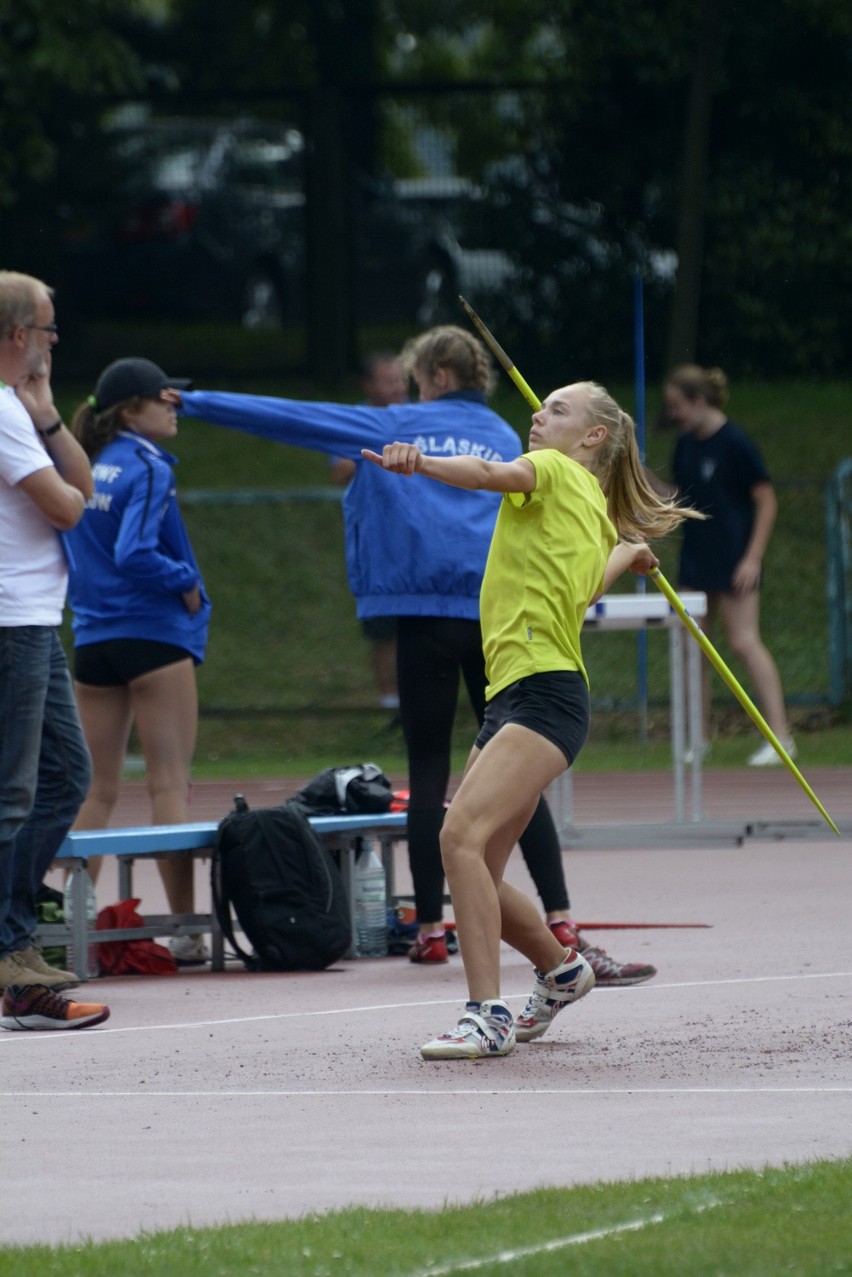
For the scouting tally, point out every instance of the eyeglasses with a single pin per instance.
(44, 328)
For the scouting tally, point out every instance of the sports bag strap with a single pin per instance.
(222, 902)
(342, 778)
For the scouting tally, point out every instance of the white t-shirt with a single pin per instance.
(33, 574)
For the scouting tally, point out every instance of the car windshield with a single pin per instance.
(152, 161)
(172, 160)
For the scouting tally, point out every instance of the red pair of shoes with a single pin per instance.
(431, 948)
(608, 972)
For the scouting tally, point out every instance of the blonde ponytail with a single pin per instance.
(637, 511)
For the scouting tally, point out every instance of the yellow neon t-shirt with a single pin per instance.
(546, 563)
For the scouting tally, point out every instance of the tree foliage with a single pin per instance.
(54, 57)
(772, 235)
(594, 103)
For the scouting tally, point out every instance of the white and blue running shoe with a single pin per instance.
(486, 1029)
(555, 989)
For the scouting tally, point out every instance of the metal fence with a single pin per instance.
(285, 638)
(291, 235)
(838, 519)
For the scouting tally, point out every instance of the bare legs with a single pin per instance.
(164, 705)
(740, 615)
(383, 656)
(106, 716)
(482, 825)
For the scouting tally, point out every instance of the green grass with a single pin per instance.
(287, 682)
(761, 1224)
(258, 748)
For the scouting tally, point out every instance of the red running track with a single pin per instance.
(213, 1098)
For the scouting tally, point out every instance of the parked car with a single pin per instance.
(507, 235)
(200, 218)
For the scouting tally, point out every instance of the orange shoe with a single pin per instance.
(34, 1006)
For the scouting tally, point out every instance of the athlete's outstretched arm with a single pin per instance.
(458, 472)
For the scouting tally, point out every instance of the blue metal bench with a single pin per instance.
(340, 834)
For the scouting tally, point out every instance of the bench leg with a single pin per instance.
(80, 881)
(217, 943)
(125, 878)
(347, 869)
(386, 842)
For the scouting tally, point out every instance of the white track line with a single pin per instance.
(559, 1243)
(144, 1092)
(755, 979)
(543, 1248)
(10, 1036)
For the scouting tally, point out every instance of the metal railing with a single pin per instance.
(838, 524)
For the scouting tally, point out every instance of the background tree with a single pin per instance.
(723, 130)
(602, 133)
(56, 63)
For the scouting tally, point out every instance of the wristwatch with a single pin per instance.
(51, 430)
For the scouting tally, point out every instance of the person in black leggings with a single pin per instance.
(432, 652)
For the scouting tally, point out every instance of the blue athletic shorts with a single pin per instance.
(555, 705)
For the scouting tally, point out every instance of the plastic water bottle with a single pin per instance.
(371, 922)
(92, 966)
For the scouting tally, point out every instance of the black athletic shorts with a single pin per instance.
(118, 661)
(379, 628)
(555, 705)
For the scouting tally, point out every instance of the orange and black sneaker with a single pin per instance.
(34, 1006)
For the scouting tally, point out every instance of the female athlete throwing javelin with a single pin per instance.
(575, 511)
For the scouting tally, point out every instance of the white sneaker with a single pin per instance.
(766, 755)
(485, 1029)
(705, 753)
(189, 951)
(553, 991)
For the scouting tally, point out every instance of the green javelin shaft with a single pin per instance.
(666, 589)
(500, 354)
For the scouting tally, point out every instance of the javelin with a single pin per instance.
(742, 696)
(500, 354)
(671, 594)
(636, 926)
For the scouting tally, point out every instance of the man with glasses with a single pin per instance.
(45, 481)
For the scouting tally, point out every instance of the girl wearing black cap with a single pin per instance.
(140, 613)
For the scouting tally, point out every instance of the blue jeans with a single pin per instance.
(45, 771)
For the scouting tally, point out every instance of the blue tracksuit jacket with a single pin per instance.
(132, 558)
(414, 547)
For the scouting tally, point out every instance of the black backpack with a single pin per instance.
(360, 788)
(285, 888)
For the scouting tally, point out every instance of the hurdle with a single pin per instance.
(652, 612)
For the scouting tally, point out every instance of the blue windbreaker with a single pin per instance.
(132, 556)
(414, 547)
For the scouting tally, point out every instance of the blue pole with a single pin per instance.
(639, 418)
